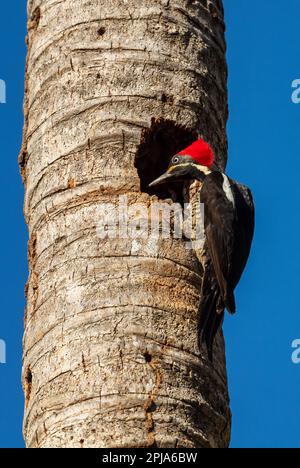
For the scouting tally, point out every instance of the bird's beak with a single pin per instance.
(162, 179)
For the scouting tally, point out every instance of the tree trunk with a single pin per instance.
(113, 87)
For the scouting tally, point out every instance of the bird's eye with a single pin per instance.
(175, 160)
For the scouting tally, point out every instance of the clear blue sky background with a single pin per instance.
(264, 137)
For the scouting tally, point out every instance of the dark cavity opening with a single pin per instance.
(28, 386)
(101, 31)
(151, 408)
(36, 16)
(147, 356)
(158, 144)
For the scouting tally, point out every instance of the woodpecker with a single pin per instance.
(228, 227)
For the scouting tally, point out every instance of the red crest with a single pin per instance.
(201, 152)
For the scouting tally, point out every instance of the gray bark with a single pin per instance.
(110, 342)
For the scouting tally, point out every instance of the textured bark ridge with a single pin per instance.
(110, 344)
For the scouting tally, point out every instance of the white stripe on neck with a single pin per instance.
(227, 189)
(203, 169)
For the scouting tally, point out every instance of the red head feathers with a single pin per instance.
(200, 152)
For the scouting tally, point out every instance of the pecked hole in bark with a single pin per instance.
(35, 18)
(101, 31)
(151, 407)
(148, 357)
(28, 386)
(158, 144)
(165, 98)
(23, 158)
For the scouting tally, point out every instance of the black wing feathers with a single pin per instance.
(229, 231)
(219, 224)
(244, 230)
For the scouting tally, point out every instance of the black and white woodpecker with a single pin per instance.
(228, 227)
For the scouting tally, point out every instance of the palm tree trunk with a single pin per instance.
(110, 343)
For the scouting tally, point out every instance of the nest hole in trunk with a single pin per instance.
(159, 143)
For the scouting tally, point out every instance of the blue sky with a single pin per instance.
(264, 131)
(264, 136)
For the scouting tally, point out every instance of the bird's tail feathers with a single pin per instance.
(210, 318)
(229, 301)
